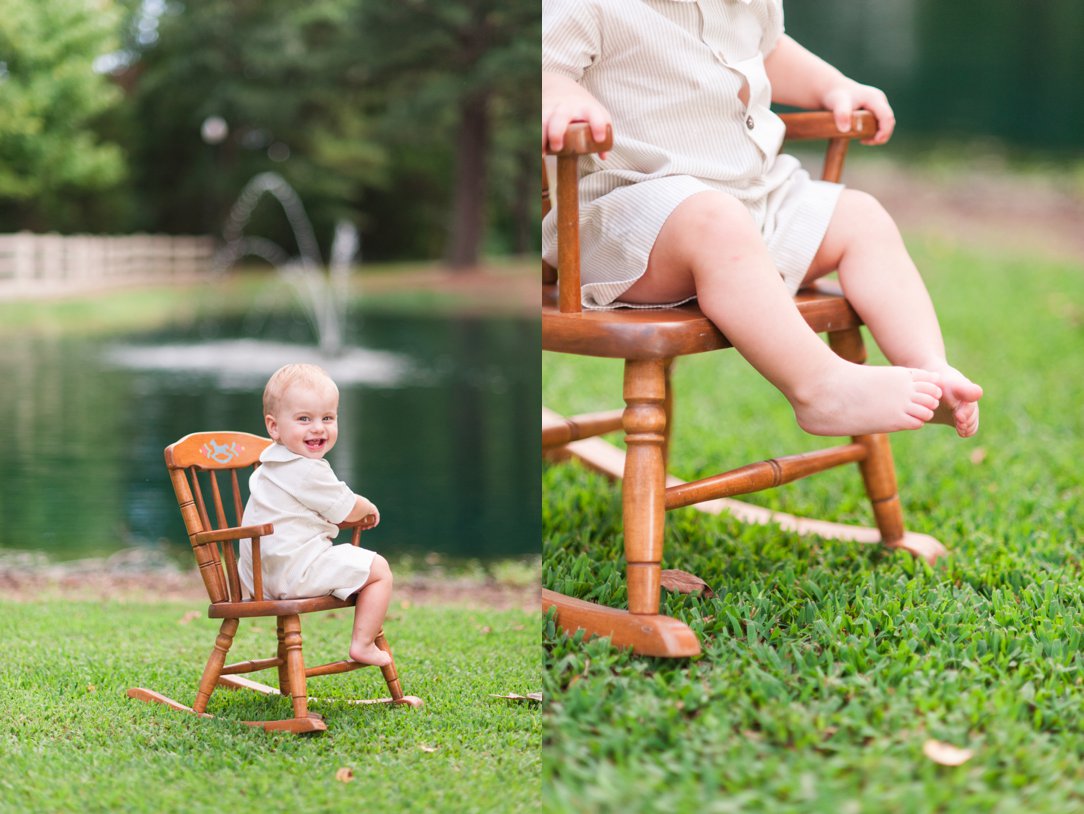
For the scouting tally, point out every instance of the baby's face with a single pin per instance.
(306, 421)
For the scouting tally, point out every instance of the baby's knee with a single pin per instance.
(710, 220)
(380, 569)
(866, 215)
(717, 211)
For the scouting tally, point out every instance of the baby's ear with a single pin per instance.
(272, 427)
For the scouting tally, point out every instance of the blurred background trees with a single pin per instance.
(416, 119)
(999, 71)
(53, 159)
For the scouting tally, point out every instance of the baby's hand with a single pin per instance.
(844, 99)
(364, 512)
(564, 102)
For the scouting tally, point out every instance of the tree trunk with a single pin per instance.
(524, 205)
(468, 218)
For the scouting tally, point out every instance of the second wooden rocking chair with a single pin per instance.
(209, 455)
(649, 341)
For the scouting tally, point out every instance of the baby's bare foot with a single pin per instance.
(959, 406)
(853, 399)
(369, 654)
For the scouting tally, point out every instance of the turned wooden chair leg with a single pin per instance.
(879, 475)
(643, 496)
(295, 664)
(389, 672)
(215, 663)
(668, 404)
(284, 673)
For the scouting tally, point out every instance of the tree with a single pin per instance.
(52, 160)
(278, 74)
(463, 75)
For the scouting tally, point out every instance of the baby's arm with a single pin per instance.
(564, 102)
(363, 507)
(802, 79)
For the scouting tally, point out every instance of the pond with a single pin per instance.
(438, 426)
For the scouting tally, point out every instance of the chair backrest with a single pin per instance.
(818, 125)
(207, 456)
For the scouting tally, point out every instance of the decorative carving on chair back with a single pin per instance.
(206, 457)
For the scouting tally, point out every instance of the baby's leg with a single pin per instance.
(711, 246)
(370, 608)
(887, 291)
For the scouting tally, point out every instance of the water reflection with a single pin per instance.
(447, 447)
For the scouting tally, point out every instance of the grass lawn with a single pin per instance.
(827, 666)
(72, 740)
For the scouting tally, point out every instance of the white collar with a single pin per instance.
(277, 452)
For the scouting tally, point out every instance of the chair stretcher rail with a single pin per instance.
(762, 475)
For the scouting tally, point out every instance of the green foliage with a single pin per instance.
(828, 665)
(461, 94)
(51, 158)
(289, 83)
(73, 741)
(364, 98)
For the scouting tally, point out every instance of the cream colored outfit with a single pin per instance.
(304, 501)
(670, 73)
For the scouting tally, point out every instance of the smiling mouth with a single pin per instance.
(317, 443)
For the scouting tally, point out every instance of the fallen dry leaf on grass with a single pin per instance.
(425, 748)
(683, 582)
(531, 696)
(345, 774)
(978, 455)
(188, 617)
(945, 754)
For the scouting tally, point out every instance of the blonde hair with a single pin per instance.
(286, 377)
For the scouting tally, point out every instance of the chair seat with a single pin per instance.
(276, 607)
(665, 333)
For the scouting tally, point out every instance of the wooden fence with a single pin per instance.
(50, 264)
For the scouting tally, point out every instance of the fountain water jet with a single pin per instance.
(323, 297)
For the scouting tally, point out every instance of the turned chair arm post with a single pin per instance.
(578, 142)
(257, 571)
(568, 234)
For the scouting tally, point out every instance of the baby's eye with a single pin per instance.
(303, 419)
(329, 418)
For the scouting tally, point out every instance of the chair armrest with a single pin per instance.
(803, 126)
(821, 124)
(365, 523)
(234, 533)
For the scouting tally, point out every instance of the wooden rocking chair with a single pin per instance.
(649, 341)
(207, 455)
